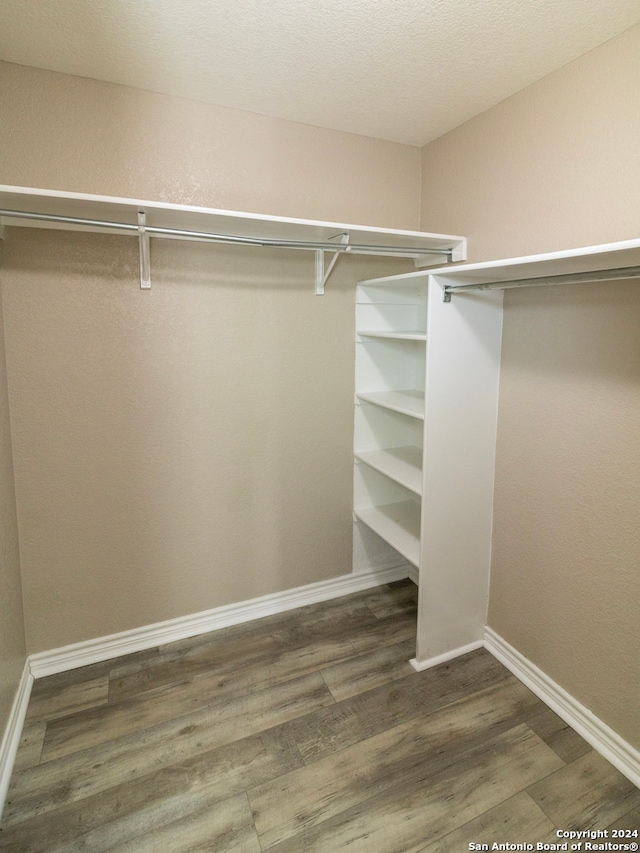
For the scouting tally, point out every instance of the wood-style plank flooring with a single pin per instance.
(298, 733)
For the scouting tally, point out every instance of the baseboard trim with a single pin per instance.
(420, 666)
(602, 738)
(146, 637)
(13, 732)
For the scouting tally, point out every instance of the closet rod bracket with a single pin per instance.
(145, 255)
(322, 275)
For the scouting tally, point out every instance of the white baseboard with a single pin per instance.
(602, 738)
(13, 732)
(420, 666)
(148, 636)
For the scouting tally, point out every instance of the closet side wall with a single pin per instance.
(556, 166)
(12, 642)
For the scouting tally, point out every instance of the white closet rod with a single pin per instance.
(544, 281)
(265, 242)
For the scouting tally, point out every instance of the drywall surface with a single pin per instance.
(566, 549)
(180, 448)
(556, 167)
(70, 133)
(12, 642)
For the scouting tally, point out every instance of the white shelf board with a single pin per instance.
(401, 464)
(406, 402)
(398, 524)
(416, 335)
(204, 219)
(402, 280)
(625, 253)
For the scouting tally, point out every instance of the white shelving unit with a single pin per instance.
(427, 375)
(424, 444)
(390, 373)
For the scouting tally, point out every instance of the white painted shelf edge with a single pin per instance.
(408, 402)
(202, 219)
(584, 259)
(398, 336)
(401, 464)
(398, 524)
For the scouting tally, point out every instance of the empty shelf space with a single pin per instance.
(409, 402)
(398, 524)
(402, 464)
(407, 335)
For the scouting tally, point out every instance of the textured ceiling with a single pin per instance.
(403, 70)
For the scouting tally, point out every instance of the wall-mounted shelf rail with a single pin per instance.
(592, 264)
(602, 263)
(547, 281)
(24, 206)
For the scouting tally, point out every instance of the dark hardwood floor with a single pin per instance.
(303, 732)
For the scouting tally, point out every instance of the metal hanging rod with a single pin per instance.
(310, 245)
(544, 281)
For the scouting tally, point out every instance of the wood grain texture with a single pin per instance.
(233, 692)
(127, 759)
(108, 811)
(560, 737)
(369, 669)
(631, 820)
(587, 794)
(420, 808)
(31, 741)
(426, 745)
(50, 704)
(516, 818)
(304, 731)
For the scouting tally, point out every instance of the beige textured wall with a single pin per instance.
(180, 448)
(566, 550)
(80, 135)
(12, 642)
(554, 167)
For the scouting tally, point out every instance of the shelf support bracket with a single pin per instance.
(322, 275)
(145, 258)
